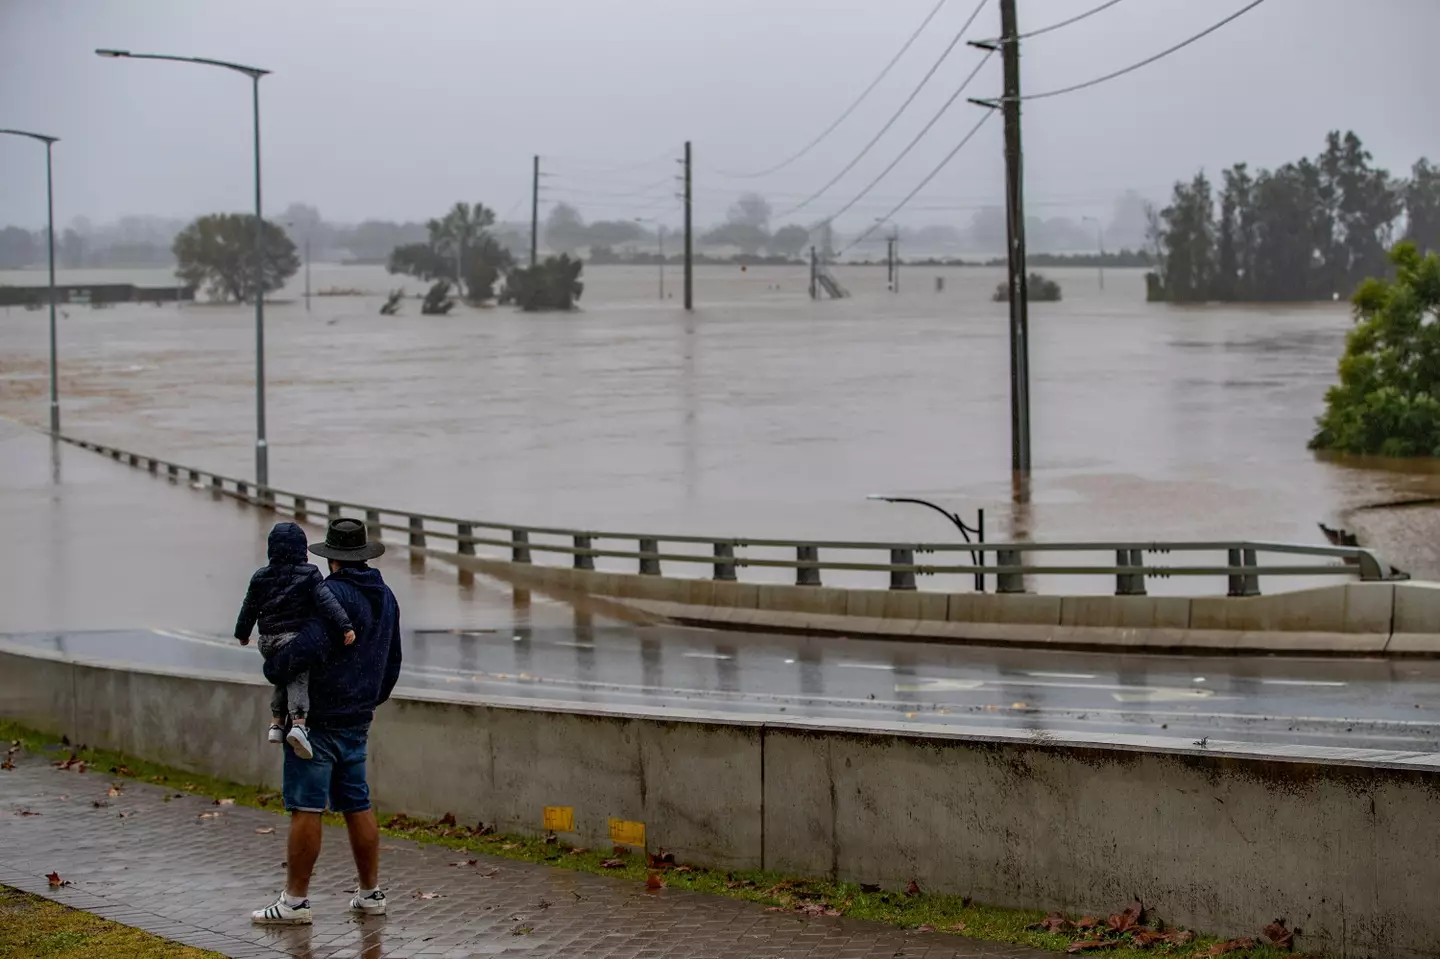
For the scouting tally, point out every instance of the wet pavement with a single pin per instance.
(760, 414)
(1372, 704)
(140, 860)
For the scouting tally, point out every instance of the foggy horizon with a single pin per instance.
(372, 112)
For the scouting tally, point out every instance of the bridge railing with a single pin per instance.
(1008, 563)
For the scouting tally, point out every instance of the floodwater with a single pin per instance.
(760, 414)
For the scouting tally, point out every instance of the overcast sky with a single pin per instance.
(391, 110)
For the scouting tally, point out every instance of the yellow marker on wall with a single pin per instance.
(626, 833)
(559, 818)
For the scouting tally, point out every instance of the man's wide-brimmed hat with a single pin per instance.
(345, 540)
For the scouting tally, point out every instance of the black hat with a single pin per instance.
(345, 540)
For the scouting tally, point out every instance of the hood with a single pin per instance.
(288, 545)
(367, 580)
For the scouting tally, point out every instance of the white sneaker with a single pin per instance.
(300, 742)
(371, 905)
(276, 734)
(281, 913)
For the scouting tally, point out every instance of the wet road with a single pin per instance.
(760, 414)
(1352, 703)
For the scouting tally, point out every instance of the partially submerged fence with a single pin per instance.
(1008, 564)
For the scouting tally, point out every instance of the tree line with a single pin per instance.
(1312, 229)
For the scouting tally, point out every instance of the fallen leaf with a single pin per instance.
(1277, 935)
(466, 862)
(209, 815)
(490, 875)
(510, 845)
(776, 909)
(189, 786)
(521, 931)
(913, 889)
(446, 820)
(925, 927)
(427, 895)
(121, 815)
(620, 852)
(957, 927)
(1229, 946)
(264, 830)
(227, 801)
(1180, 937)
(740, 884)
(7, 764)
(1086, 922)
(661, 859)
(100, 803)
(25, 812)
(481, 829)
(544, 904)
(1092, 945)
(577, 850)
(1123, 922)
(121, 770)
(55, 881)
(1054, 922)
(652, 882)
(684, 868)
(113, 791)
(613, 864)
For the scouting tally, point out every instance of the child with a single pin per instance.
(282, 596)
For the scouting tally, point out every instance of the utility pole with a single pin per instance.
(890, 263)
(895, 261)
(307, 273)
(689, 238)
(814, 269)
(1015, 240)
(535, 211)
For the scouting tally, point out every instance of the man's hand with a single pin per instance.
(349, 637)
(245, 641)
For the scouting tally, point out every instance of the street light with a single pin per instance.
(976, 556)
(659, 238)
(262, 457)
(1100, 240)
(50, 208)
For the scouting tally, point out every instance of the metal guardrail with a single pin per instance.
(725, 556)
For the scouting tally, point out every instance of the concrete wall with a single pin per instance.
(1345, 845)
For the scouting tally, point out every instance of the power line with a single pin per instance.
(1065, 23)
(896, 116)
(925, 182)
(911, 145)
(1148, 60)
(848, 110)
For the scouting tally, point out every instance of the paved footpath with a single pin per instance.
(160, 866)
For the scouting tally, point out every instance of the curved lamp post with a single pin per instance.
(262, 457)
(50, 230)
(976, 556)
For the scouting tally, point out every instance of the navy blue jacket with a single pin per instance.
(287, 593)
(346, 682)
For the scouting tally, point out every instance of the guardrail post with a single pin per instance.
(154, 466)
(902, 578)
(583, 560)
(134, 460)
(332, 512)
(172, 470)
(194, 476)
(519, 546)
(1252, 580)
(725, 562)
(373, 532)
(1242, 584)
(463, 534)
(649, 565)
(300, 508)
(417, 532)
(216, 485)
(807, 575)
(1008, 582)
(115, 455)
(242, 490)
(1129, 584)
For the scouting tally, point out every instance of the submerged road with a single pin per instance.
(1375, 704)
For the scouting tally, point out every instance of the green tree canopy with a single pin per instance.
(552, 284)
(1388, 398)
(463, 230)
(217, 251)
(789, 240)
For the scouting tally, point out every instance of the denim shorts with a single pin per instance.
(335, 778)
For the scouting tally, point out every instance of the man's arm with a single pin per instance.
(307, 650)
(249, 612)
(392, 666)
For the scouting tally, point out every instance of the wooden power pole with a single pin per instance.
(1015, 252)
(689, 237)
(534, 210)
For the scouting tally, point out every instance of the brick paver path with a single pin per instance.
(146, 862)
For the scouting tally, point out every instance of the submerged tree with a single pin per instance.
(460, 237)
(1388, 398)
(1038, 289)
(217, 251)
(552, 284)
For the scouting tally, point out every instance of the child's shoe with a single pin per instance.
(300, 742)
(276, 735)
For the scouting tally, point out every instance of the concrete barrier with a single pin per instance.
(1343, 843)
(1358, 619)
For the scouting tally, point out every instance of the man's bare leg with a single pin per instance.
(364, 846)
(302, 848)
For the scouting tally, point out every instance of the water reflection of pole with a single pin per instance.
(1100, 244)
(691, 411)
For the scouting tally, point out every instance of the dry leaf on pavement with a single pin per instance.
(652, 882)
(1054, 922)
(613, 864)
(264, 830)
(925, 927)
(1277, 935)
(1093, 945)
(55, 881)
(913, 889)
(427, 895)
(1123, 922)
